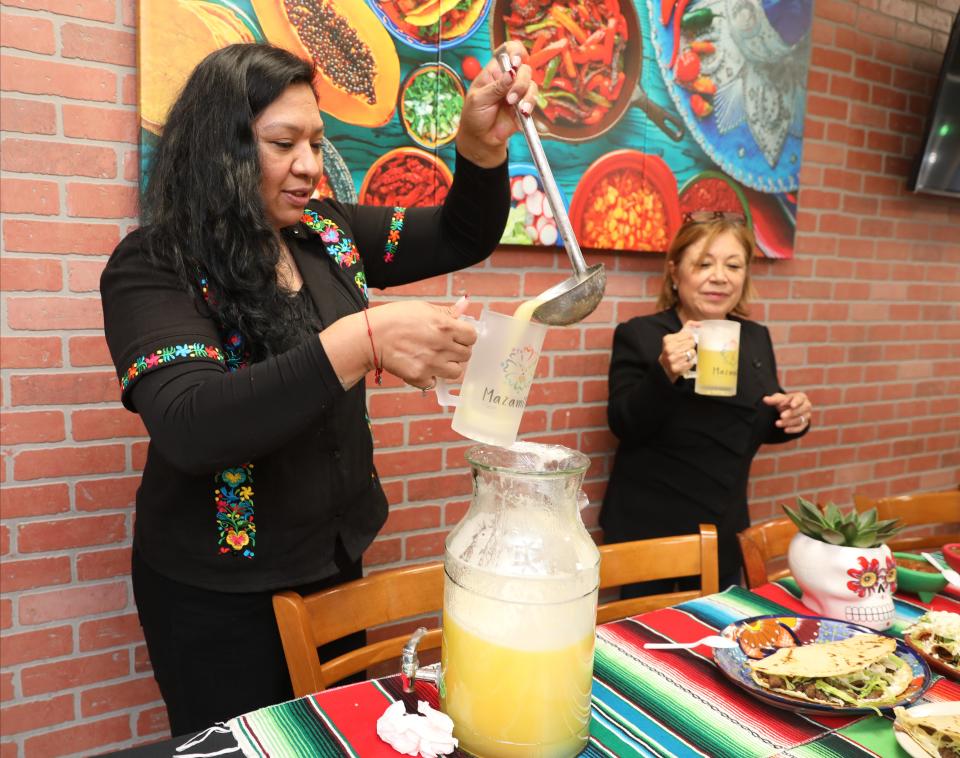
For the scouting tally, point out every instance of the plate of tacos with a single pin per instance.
(936, 637)
(932, 729)
(813, 664)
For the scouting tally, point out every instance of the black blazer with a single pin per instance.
(684, 458)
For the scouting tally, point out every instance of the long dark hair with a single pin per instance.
(203, 212)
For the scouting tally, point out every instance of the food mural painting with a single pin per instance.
(648, 108)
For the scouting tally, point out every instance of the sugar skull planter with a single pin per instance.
(841, 563)
(852, 584)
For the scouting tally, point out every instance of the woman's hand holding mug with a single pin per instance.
(679, 353)
(418, 341)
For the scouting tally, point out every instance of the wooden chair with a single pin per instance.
(764, 546)
(306, 622)
(936, 509)
(660, 558)
(764, 549)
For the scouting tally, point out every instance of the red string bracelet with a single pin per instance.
(377, 367)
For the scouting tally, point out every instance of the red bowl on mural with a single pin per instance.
(626, 200)
(406, 176)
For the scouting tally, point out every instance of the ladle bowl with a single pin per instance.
(573, 299)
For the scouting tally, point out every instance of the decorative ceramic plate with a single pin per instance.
(907, 742)
(337, 174)
(757, 59)
(761, 636)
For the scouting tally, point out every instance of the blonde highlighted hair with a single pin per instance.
(691, 233)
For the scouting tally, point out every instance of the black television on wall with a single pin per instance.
(937, 169)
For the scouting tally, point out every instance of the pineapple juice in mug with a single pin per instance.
(718, 356)
(498, 377)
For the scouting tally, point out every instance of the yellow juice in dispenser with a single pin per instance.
(523, 693)
(521, 576)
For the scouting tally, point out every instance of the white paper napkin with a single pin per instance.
(429, 734)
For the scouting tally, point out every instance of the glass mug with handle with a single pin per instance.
(495, 385)
(718, 356)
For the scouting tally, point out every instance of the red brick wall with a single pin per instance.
(865, 318)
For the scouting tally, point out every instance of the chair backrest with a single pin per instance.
(306, 622)
(934, 509)
(659, 558)
(765, 544)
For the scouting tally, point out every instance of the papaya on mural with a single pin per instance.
(647, 108)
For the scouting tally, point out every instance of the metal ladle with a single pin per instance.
(575, 298)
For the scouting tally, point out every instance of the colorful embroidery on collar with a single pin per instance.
(164, 355)
(340, 247)
(393, 238)
(234, 496)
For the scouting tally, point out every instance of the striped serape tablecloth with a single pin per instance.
(645, 702)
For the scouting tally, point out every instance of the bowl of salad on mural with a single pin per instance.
(431, 99)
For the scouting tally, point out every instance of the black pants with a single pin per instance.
(217, 655)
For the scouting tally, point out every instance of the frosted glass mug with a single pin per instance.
(497, 380)
(718, 356)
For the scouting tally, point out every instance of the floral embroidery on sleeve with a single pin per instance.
(393, 238)
(169, 354)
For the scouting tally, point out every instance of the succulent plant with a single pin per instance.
(837, 527)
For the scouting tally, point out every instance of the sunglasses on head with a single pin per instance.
(703, 217)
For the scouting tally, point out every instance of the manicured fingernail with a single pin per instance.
(525, 108)
(516, 60)
(512, 97)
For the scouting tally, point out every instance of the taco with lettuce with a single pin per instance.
(862, 671)
(939, 735)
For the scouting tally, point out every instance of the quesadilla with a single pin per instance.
(938, 736)
(861, 671)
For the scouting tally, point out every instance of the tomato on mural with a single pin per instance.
(647, 109)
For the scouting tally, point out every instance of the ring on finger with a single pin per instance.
(433, 383)
(689, 356)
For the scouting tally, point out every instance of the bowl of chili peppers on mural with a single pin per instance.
(714, 191)
(577, 53)
(406, 176)
(626, 200)
(431, 99)
(427, 24)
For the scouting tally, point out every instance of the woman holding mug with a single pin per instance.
(683, 458)
(237, 320)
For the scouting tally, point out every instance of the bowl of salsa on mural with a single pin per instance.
(626, 200)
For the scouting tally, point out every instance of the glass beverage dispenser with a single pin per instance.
(520, 599)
